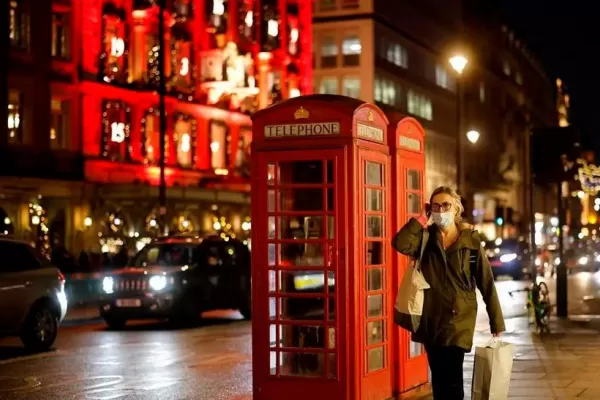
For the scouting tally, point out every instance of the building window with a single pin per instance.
(184, 136)
(15, 111)
(218, 146)
(115, 50)
(18, 25)
(419, 105)
(217, 16)
(351, 49)
(242, 157)
(329, 52)
(150, 133)
(116, 124)
(506, 68)
(393, 52)
(482, 92)
(388, 92)
(442, 78)
(328, 5)
(61, 32)
(378, 90)
(329, 85)
(519, 78)
(60, 132)
(182, 9)
(152, 71)
(181, 60)
(246, 21)
(351, 87)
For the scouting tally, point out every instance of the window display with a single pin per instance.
(151, 136)
(116, 124)
(115, 47)
(184, 136)
(218, 145)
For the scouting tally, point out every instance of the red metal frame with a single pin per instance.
(345, 257)
(408, 138)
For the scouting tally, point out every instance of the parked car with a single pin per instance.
(178, 278)
(32, 296)
(509, 257)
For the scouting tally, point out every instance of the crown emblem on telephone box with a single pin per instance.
(301, 113)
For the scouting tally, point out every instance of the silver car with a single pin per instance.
(32, 295)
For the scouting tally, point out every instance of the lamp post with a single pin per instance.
(162, 189)
(458, 63)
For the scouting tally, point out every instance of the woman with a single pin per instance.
(453, 264)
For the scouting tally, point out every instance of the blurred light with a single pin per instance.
(246, 225)
(583, 260)
(473, 136)
(158, 282)
(597, 207)
(506, 258)
(117, 221)
(597, 201)
(458, 63)
(538, 262)
(499, 221)
(185, 224)
(580, 236)
(87, 221)
(580, 194)
(216, 226)
(597, 258)
(35, 220)
(554, 221)
(6, 221)
(498, 242)
(556, 261)
(108, 284)
(152, 223)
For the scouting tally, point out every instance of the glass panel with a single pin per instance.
(332, 366)
(302, 308)
(375, 359)
(331, 338)
(374, 226)
(414, 204)
(301, 281)
(271, 174)
(374, 305)
(272, 254)
(375, 332)
(273, 335)
(272, 307)
(271, 223)
(300, 172)
(330, 172)
(271, 201)
(373, 174)
(273, 362)
(374, 279)
(272, 281)
(415, 349)
(302, 364)
(331, 229)
(303, 336)
(296, 227)
(331, 308)
(330, 199)
(301, 200)
(374, 200)
(297, 254)
(374, 253)
(413, 179)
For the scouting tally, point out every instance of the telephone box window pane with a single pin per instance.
(303, 336)
(375, 305)
(373, 174)
(415, 349)
(374, 200)
(332, 368)
(331, 309)
(298, 228)
(374, 279)
(330, 200)
(302, 254)
(273, 362)
(374, 253)
(271, 174)
(374, 226)
(301, 282)
(271, 222)
(272, 281)
(271, 201)
(413, 179)
(291, 172)
(272, 254)
(273, 335)
(301, 308)
(331, 229)
(414, 204)
(375, 332)
(302, 364)
(272, 308)
(375, 359)
(301, 200)
(330, 172)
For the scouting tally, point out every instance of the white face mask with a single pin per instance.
(444, 219)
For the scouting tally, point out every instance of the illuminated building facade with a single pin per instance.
(563, 103)
(82, 138)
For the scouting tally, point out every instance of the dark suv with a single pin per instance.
(178, 278)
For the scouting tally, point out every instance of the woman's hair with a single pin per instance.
(455, 199)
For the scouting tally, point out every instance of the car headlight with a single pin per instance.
(538, 262)
(583, 260)
(108, 284)
(506, 258)
(158, 282)
(598, 258)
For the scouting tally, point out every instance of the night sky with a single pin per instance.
(565, 35)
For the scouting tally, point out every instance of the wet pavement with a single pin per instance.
(213, 361)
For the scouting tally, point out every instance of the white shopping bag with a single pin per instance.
(492, 370)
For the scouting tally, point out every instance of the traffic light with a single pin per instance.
(499, 221)
(499, 216)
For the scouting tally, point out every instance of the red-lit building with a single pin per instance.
(80, 154)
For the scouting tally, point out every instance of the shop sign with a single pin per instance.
(410, 143)
(369, 132)
(316, 129)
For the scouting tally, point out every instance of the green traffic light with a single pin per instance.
(499, 221)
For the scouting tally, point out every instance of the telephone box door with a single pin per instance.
(298, 290)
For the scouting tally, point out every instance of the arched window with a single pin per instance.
(116, 126)
(115, 50)
(182, 68)
(150, 130)
(219, 138)
(184, 135)
(217, 12)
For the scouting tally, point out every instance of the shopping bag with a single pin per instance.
(411, 293)
(492, 370)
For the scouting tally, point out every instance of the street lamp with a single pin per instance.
(458, 62)
(473, 136)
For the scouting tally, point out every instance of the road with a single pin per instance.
(151, 361)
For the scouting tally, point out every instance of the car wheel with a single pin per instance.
(40, 328)
(115, 323)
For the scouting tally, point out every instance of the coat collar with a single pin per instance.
(467, 239)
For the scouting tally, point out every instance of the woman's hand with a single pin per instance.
(496, 335)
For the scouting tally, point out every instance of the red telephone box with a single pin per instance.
(407, 139)
(321, 276)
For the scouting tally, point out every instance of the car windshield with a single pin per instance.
(164, 254)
